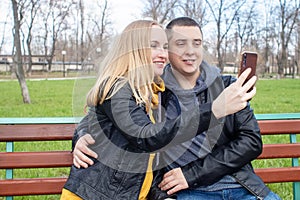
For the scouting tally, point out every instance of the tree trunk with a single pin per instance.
(18, 55)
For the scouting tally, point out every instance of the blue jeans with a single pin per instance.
(227, 194)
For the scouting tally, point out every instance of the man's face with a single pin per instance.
(185, 49)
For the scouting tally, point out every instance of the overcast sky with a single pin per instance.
(122, 12)
(125, 11)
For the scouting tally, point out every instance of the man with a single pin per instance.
(226, 172)
(210, 170)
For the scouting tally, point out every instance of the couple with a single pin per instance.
(192, 134)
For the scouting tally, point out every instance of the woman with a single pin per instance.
(121, 122)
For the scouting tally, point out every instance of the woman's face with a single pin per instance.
(159, 49)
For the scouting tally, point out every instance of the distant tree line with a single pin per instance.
(84, 30)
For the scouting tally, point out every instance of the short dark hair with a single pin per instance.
(183, 21)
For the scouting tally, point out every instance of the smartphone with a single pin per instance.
(248, 60)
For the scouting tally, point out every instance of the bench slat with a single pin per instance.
(277, 175)
(64, 158)
(36, 132)
(13, 160)
(280, 151)
(34, 186)
(55, 131)
(270, 127)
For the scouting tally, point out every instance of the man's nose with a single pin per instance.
(190, 49)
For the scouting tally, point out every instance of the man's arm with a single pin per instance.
(228, 158)
(203, 171)
(224, 160)
(81, 140)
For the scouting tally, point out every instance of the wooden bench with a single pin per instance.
(281, 124)
(30, 130)
(52, 129)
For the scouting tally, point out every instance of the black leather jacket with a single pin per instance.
(124, 138)
(240, 143)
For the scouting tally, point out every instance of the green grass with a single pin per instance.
(65, 98)
(48, 98)
(277, 96)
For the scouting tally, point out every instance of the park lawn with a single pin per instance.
(277, 96)
(65, 98)
(49, 98)
(58, 98)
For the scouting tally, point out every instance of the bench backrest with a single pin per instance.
(52, 130)
(34, 130)
(286, 150)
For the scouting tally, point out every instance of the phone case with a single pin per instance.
(248, 60)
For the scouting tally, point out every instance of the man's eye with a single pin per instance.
(180, 43)
(153, 45)
(198, 43)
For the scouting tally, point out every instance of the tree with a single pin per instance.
(160, 10)
(224, 13)
(289, 13)
(246, 22)
(195, 9)
(268, 35)
(32, 10)
(17, 16)
(297, 51)
(100, 29)
(3, 34)
(55, 22)
(81, 9)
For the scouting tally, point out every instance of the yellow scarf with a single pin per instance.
(157, 86)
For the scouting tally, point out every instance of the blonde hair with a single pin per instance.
(129, 60)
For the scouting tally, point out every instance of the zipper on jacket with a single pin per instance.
(245, 186)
